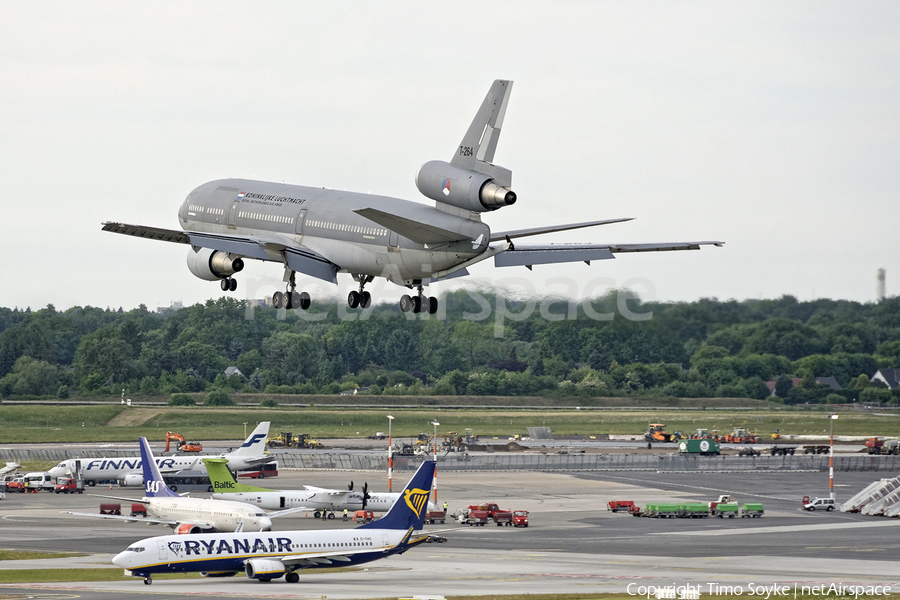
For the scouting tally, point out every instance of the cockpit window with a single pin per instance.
(135, 549)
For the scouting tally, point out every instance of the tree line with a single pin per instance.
(480, 344)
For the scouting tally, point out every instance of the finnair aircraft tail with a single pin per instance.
(254, 445)
(154, 484)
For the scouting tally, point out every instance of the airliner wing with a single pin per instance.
(421, 233)
(526, 256)
(149, 520)
(299, 258)
(517, 233)
(289, 511)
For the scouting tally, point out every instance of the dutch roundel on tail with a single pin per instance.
(270, 555)
(321, 232)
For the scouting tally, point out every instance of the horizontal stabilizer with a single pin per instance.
(518, 233)
(421, 233)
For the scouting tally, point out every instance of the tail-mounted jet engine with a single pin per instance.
(213, 265)
(469, 190)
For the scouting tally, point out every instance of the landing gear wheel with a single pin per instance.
(224, 285)
(295, 300)
(405, 303)
(432, 305)
(353, 299)
(232, 285)
(317, 514)
(330, 516)
(147, 581)
(417, 304)
(365, 300)
(292, 578)
(304, 300)
(278, 300)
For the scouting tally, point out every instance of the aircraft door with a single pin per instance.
(282, 502)
(232, 213)
(298, 226)
(393, 241)
(163, 552)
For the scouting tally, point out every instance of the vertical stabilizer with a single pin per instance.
(255, 445)
(410, 508)
(222, 481)
(476, 150)
(154, 485)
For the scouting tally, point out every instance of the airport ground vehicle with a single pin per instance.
(68, 485)
(288, 440)
(749, 451)
(879, 445)
(701, 447)
(39, 480)
(16, 485)
(110, 508)
(740, 436)
(826, 504)
(617, 505)
(138, 510)
(379, 435)
(261, 472)
(752, 510)
(363, 516)
(475, 517)
(657, 433)
(183, 446)
(494, 512)
(693, 510)
(520, 518)
(435, 516)
(725, 509)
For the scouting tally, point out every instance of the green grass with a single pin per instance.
(58, 575)
(31, 555)
(62, 424)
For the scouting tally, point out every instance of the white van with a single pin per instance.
(39, 480)
(820, 504)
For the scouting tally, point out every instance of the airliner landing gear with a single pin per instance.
(362, 298)
(292, 577)
(228, 284)
(147, 580)
(419, 303)
(291, 298)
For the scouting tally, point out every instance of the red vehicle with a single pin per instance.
(108, 508)
(363, 516)
(17, 485)
(617, 505)
(435, 516)
(477, 517)
(138, 510)
(520, 518)
(68, 485)
(494, 512)
(261, 472)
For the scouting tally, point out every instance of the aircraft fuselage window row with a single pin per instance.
(195, 208)
(350, 228)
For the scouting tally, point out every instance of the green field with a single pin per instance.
(109, 423)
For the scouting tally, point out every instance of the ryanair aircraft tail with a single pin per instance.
(222, 481)
(410, 508)
(154, 485)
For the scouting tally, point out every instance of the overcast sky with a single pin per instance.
(774, 127)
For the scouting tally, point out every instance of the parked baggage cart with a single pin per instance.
(752, 510)
(726, 509)
(693, 510)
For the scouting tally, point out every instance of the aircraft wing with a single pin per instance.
(526, 256)
(421, 233)
(299, 258)
(289, 511)
(517, 233)
(149, 520)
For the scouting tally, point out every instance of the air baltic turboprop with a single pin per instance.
(315, 499)
(129, 470)
(322, 232)
(188, 515)
(270, 556)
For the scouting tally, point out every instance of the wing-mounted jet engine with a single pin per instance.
(322, 232)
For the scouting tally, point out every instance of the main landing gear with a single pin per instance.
(361, 298)
(291, 298)
(228, 284)
(419, 303)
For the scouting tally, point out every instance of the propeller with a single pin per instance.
(365, 499)
(350, 487)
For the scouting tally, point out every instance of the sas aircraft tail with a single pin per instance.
(408, 512)
(154, 484)
(222, 480)
(255, 445)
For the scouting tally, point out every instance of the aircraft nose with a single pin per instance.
(265, 524)
(121, 560)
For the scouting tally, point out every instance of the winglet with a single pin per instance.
(410, 508)
(154, 484)
(222, 480)
(255, 445)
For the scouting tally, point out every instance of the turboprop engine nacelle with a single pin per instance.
(263, 568)
(133, 480)
(469, 190)
(212, 265)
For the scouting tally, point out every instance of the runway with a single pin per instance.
(574, 545)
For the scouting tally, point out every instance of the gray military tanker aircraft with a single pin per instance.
(322, 232)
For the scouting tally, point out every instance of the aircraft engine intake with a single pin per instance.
(462, 188)
(212, 265)
(133, 479)
(186, 528)
(263, 568)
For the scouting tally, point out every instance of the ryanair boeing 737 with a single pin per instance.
(321, 232)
